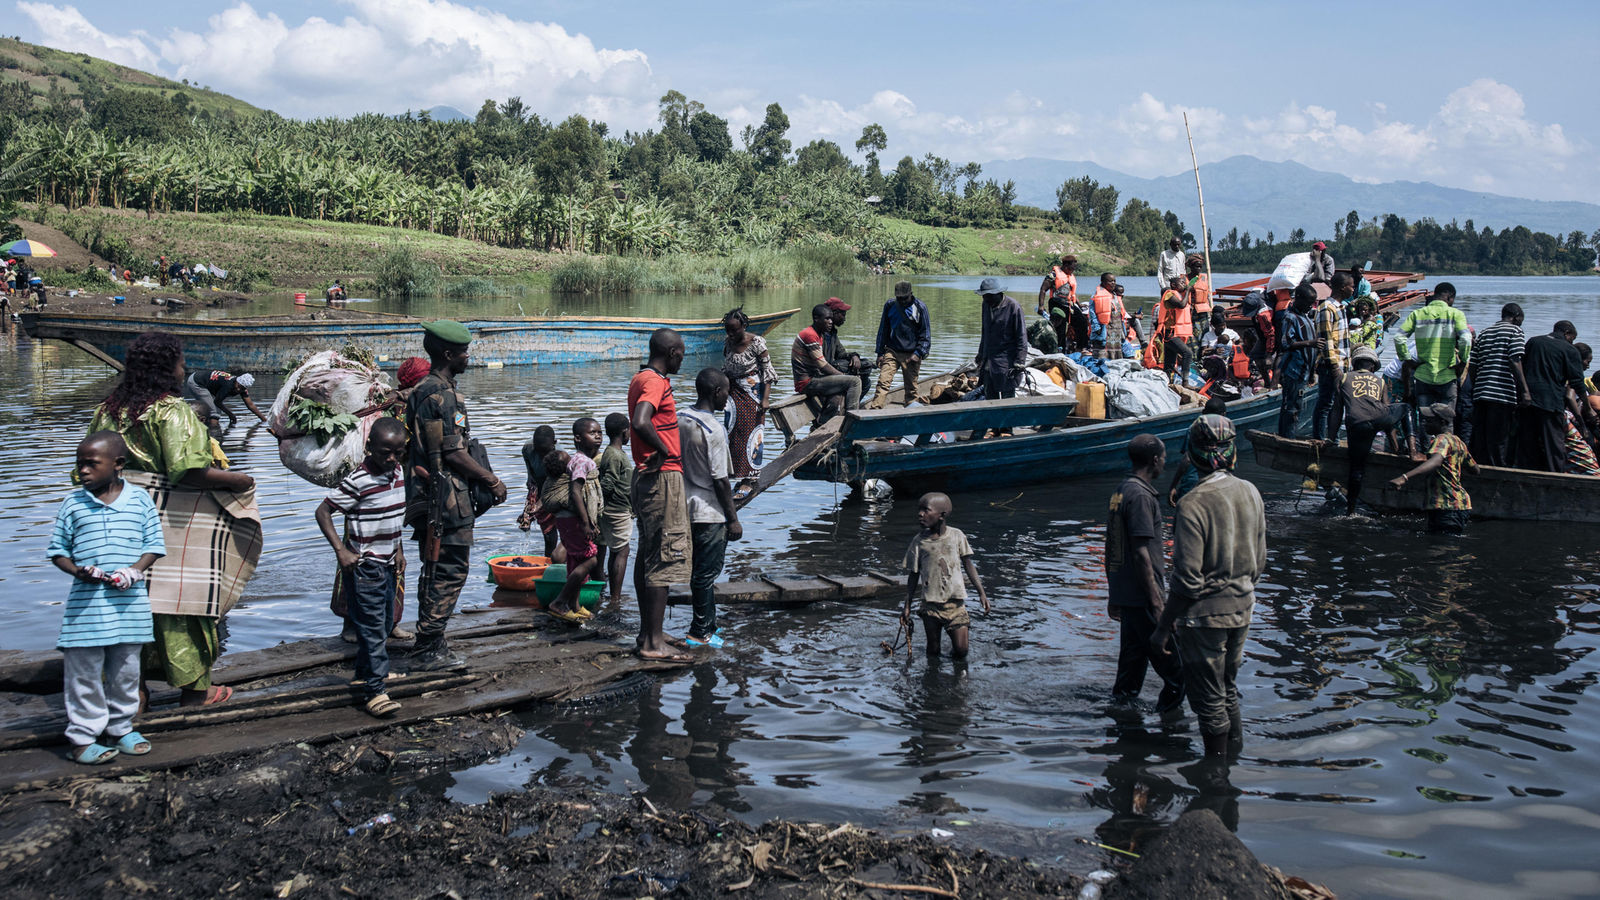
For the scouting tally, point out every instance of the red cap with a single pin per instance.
(1319, 246)
(836, 304)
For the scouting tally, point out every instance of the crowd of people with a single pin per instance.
(659, 486)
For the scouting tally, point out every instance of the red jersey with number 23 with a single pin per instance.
(650, 386)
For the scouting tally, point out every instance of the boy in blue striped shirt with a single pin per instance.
(107, 536)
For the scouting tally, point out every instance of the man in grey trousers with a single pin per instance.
(1219, 551)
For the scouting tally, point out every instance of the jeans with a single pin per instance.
(101, 690)
(369, 601)
(1175, 353)
(1293, 399)
(1000, 382)
(1138, 623)
(1327, 389)
(710, 546)
(1361, 437)
(1428, 394)
(830, 386)
(1211, 659)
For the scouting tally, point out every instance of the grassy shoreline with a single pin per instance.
(278, 252)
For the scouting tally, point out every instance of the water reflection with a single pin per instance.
(1420, 715)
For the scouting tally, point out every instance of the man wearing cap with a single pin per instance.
(842, 359)
(1002, 341)
(1322, 268)
(1444, 346)
(205, 391)
(811, 360)
(904, 338)
(439, 499)
(1219, 551)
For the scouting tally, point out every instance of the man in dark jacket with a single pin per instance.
(1003, 342)
(904, 338)
(1550, 364)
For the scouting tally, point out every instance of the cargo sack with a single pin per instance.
(322, 415)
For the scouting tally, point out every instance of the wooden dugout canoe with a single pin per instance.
(273, 343)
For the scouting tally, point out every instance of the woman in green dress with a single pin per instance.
(169, 453)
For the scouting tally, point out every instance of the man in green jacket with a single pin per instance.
(1443, 346)
(1219, 550)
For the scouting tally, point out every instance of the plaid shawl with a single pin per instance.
(213, 544)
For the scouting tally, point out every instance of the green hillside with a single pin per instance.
(80, 79)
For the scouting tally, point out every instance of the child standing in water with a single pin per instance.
(935, 561)
(106, 537)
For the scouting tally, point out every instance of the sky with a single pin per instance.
(1484, 96)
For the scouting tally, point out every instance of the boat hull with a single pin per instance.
(279, 342)
(1081, 449)
(1513, 494)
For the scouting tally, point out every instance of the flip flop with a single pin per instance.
(566, 615)
(382, 706)
(93, 755)
(583, 612)
(131, 742)
(219, 694)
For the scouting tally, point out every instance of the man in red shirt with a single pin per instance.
(659, 500)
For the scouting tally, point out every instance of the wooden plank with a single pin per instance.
(1013, 412)
(804, 590)
(858, 587)
(99, 354)
(814, 444)
(537, 672)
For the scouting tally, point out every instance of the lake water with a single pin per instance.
(1421, 714)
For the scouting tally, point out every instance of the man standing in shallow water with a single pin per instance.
(659, 499)
(1219, 550)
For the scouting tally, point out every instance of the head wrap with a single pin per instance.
(1212, 446)
(412, 371)
(246, 380)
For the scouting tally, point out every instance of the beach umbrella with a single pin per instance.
(26, 247)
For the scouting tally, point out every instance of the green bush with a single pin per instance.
(90, 278)
(401, 273)
(249, 277)
(688, 273)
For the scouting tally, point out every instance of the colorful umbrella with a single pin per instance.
(26, 248)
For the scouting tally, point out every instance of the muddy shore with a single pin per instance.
(364, 818)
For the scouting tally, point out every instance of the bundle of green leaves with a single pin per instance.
(319, 420)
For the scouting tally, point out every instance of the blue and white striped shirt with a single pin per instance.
(114, 536)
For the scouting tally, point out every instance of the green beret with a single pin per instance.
(449, 331)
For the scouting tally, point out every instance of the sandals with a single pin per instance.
(673, 656)
(566, 615)
(133, 744)
(382, 707)
(93, 754)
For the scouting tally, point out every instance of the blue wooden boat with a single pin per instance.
(1064, 447)
(277, 342)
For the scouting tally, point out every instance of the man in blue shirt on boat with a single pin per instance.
(904, 338)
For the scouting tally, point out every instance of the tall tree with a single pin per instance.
(767, 143)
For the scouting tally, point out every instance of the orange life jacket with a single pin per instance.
(1176, 321)
(1104, 300)
(1066, 284)
(1152, 355)
(1282, 298)
(1200, 294)
(1241, 363)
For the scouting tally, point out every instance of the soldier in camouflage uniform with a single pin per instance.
(439, 504)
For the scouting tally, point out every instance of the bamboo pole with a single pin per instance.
(1205, 230)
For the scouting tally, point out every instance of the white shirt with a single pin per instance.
(1170, 267)
(705, 462)
(1228, 336)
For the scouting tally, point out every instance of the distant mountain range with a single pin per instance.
(451, 114)
(1259, 196)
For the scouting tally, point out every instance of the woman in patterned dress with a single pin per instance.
(748, 365)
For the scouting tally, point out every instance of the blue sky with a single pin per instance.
(1486, 96)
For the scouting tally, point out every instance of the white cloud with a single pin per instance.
(384, 55)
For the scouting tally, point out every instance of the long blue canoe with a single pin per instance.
(1079, 446)
(276, 342)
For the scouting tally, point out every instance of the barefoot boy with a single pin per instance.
(577, 514)
(106, 537)
(935, 560)
(372, 499)
(616, 512)
(1449, 505)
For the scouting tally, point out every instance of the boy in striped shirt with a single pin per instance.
(372, 499)
(106, 537)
